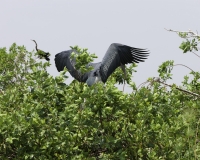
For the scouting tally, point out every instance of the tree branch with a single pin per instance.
(196, 54)
(192, 34)
(183, 66)
(182, 90)
(142, 84)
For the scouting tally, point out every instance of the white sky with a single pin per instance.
(92, 24)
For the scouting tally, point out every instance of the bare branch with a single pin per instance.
(142, 84)
(183, 66)
(183, 90)
(196, 54)
(191, 33)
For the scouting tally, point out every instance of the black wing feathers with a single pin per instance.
(130, 54)
(118, 54)
(63, 59)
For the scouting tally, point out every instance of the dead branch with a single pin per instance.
(196, 54)
(184, 66)
(191, 33)
(182, 90)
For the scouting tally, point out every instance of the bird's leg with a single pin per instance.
(124, 86)
(104, 88)
(124, 70)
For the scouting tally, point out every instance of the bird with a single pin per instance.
(41, 53)
(117, 55)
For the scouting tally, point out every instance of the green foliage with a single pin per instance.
(41, 54)
(82, 59)
(43, 118)
(188, 45)
(165, 69)
(120, 77)
(191, 41)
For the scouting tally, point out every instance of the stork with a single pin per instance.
(117, 55)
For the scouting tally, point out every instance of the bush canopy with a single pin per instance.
(41, 117)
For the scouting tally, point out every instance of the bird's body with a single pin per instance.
(116, 55)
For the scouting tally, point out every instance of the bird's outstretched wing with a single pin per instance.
(63, 59)
(119, 54)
